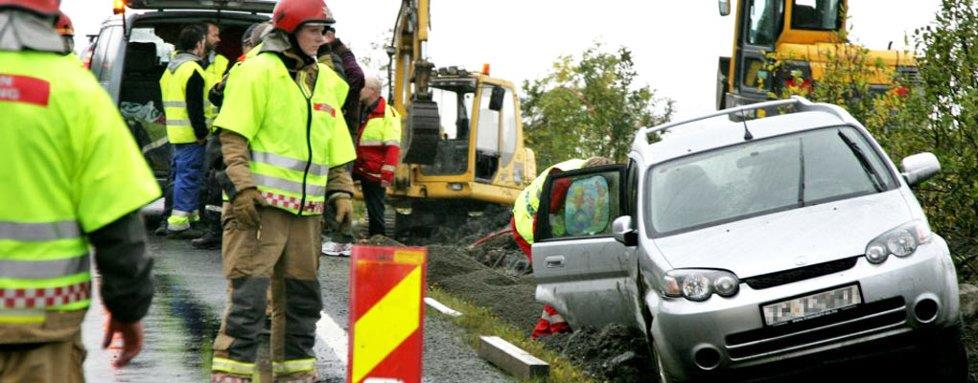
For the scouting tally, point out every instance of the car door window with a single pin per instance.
(581, 203)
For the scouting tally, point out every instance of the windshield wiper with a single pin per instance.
(874, 176)
(801, 173)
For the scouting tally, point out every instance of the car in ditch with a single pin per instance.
(740, 247)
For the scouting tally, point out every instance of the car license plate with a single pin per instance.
(811, 306)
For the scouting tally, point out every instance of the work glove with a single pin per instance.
(245, 207)
(344, 208)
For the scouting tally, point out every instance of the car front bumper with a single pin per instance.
(723, 335)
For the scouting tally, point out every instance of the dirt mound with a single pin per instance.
(510, 298)
(615, 353)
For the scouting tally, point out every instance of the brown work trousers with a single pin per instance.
(282, 254)
(56, 362)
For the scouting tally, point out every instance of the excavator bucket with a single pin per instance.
(421, 133)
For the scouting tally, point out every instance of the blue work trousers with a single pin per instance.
(188, 175)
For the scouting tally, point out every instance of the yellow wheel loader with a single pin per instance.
(462, 138)
(803, 35)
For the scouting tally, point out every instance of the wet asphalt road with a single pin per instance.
(190, 297)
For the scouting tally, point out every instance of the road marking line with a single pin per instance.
(334, 336)
(431, 302)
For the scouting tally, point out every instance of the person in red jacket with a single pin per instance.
(378, 151)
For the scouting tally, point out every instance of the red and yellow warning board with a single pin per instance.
(387, 314)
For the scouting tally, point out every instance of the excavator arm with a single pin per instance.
(411, 95)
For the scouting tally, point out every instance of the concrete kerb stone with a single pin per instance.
(969, 300)
(440, 307)
(511, 359)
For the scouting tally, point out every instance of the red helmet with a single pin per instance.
(44, 7)
(63, 25)
(290, 14)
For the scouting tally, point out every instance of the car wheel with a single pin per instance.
(946, 357)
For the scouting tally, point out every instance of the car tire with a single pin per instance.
(946, 357)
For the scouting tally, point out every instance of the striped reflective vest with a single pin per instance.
(295, 134)
(526, 204)
(173, 86)
(378, 144)
(70, 167)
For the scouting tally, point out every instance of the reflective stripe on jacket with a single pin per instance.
(294, 137)
(70, 167)
(526, 204)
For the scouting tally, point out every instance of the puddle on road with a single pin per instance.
(178, 332)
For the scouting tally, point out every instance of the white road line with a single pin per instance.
(334, 336)
(441, 307)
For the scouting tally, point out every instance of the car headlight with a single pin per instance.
(901, 241)
(698, 285)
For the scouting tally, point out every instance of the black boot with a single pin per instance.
(161, 230)
(210, 241)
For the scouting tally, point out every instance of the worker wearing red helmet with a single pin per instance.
(286, 144)
(73, 180)
(66, 30)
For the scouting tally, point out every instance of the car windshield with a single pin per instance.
(762, 177)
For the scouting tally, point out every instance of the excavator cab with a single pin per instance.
(804, 35)
(462, 136)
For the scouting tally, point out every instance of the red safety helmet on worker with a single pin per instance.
(43, 7)
(290, 14)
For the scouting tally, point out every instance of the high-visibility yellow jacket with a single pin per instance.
(295, 134)
(379, 144)
(70, 167)
(173, 86)
(528, 201)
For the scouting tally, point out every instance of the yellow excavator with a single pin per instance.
(462, 138)
(803, 35)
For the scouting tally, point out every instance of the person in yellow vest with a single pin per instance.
(285, 144)
(182, 86)
(215, 65)
(73, 180)
(524, 221)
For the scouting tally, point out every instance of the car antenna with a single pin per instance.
(747, 135)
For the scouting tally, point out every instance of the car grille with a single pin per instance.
(860, 320)
(800, 274)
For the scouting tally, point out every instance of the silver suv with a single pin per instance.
(740, 247)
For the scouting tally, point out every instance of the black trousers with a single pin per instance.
(374, 196)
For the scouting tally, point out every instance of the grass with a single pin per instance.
(478, 321)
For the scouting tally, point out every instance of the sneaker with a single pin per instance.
(331, 248)
(210, 241)
(347, 250)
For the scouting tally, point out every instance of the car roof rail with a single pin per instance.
(800, 103)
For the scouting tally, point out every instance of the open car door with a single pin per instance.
(580, 268)
(254, 6)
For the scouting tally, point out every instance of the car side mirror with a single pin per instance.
(920, 167)
(621, 227)
(497, 98)
(724, 7)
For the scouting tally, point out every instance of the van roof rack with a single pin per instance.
(799, 103)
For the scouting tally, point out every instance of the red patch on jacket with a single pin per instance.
(23, 89)
(321, 107)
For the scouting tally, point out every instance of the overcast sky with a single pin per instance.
(675, 42)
